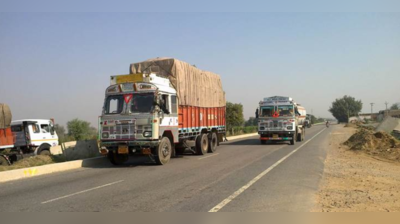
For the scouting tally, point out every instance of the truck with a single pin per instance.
(34, 136)
(24, 138)
(162, 108)
(7, 138)
(280, 118)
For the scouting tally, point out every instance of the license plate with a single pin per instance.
(275, 136)
(123, 149)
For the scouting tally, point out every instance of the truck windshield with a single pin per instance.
(114, 104)
(286, 110)
(267, 111)
(141, 103)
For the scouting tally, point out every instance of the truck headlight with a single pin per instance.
(105, 135)
(147, 134)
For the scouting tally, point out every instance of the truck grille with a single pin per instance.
(120, 131)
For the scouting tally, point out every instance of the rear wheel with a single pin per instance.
(164, 151)
(117, 159)
(202, 144)
(212, 145)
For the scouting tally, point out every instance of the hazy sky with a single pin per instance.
(58, 64)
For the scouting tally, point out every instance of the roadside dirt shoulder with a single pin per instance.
(355, 181)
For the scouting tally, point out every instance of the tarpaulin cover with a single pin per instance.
(194, 87)
(5, 116)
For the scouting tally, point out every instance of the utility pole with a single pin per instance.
(386, 104)
(372, 106)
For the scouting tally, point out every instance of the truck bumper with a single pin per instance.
(134, 147)
(276, 135)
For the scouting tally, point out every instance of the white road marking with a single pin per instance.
(81, 192)
(205, 157)
(253, 181)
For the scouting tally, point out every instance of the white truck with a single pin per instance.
(34, 136)
(280, 118)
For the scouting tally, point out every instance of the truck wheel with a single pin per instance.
(263, 142)
(45, 152)
(117, 159)
(164, 151)
(202, 144)
(212, 145)
(293, 141)
(4, 161)
(299, 137)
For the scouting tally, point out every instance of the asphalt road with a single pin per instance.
(241, 176)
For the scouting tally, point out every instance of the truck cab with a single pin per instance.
(139, 117)
(280, 119)
(34, 136)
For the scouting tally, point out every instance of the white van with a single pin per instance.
(34, 135)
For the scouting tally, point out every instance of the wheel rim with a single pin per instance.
(204, 143)
(165, 150)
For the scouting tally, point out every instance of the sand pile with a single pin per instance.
(375, 143)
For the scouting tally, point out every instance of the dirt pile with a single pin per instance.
(378, 144)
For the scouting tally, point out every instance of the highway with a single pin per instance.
(241, 176)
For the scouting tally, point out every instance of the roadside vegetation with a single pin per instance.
(344, 108)
(39, 160)
(78, 130)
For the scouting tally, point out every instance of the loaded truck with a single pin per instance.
(163, 107)
(7, 138)
(280, 118)
(24, 138)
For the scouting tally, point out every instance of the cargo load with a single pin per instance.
(194, 87)
(5, 116)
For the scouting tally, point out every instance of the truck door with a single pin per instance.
(20, 135)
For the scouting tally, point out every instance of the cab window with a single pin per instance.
(35, 128)
(45, 128)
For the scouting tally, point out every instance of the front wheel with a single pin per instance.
(164, 151)
(293, 141)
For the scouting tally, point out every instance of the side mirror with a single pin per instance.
(257, 114)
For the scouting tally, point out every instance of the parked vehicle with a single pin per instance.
(34, 136)
(281, 119)
(163, 107)
(7, 138)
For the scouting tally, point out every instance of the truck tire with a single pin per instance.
(45, 152)
(213, 143)
(202, 144)
(293, 141)
(263, 142)
(164, 151)
(117, 159)
(299, 137)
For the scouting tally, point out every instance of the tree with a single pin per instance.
(234, 114)
(80, 130)
(344, 108)
(251, 122)
(395, 107)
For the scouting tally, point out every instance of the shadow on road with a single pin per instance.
(249, 142)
